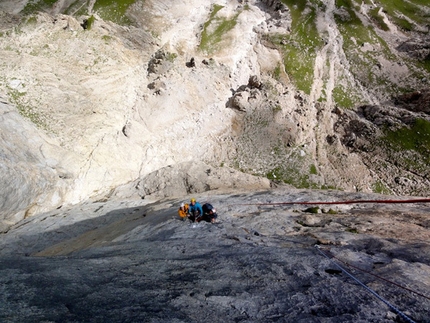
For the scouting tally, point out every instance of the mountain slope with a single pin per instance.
(310, 93)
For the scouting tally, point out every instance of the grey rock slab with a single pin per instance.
(136, 261)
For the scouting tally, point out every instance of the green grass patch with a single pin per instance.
(377, 18)
(313, 209)
(34, 6)
(88, 23)
(364, 61)
(31, 20)
(171, 57)
(107, 39)
(214, 30)
(344, 98)
(17, 98)
(114, 10)
(349, 5)
(299, 65)
(290, 174)
(403, 24)
(277, 73)
(297, 172)
(313, 170)
(300, 46)
(276, 108)
(380, 188)
(411, 9)
(109, 10)
(426, 64)
(416, 138)
(409, 146)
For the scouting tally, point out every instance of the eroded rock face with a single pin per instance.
(8, 20)
(379, 134)
(123, 116)
(128, 105)
(190, 178)
(418, 101)
(417, 48)
(35, 174)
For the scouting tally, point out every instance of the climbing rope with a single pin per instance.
(395, 309)
(424, 200)
(379, 277)
(421, 200)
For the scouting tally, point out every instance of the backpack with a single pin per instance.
(207, 207)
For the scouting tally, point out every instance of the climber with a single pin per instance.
(195, 211)
(209, 213)
(183, 211)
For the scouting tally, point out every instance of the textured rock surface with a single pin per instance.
(105, 130)
(34, 168)
(135, 261)
(190, 178)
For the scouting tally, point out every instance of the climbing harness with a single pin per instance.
(395, 309)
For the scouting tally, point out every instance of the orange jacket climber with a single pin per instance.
(183, 211)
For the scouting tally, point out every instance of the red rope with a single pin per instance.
(424, 200)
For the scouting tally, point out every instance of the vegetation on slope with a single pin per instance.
(33, 6)
(215, 29)
(407, 15)
(410, 146)
(114, 10)
(363, 46)
(25, 108)
(300, 46)
(369, 60)
(111, 10)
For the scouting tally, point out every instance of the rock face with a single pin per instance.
(382, 136)
(34, 169)
(136, 261)
(134, 96)
(113, 113)
(190, 178)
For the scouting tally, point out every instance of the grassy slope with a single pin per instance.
(301, 44)
(299, 49)
(112, 10)
(214, 29)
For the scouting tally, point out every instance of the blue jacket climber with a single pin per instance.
(195, 210)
